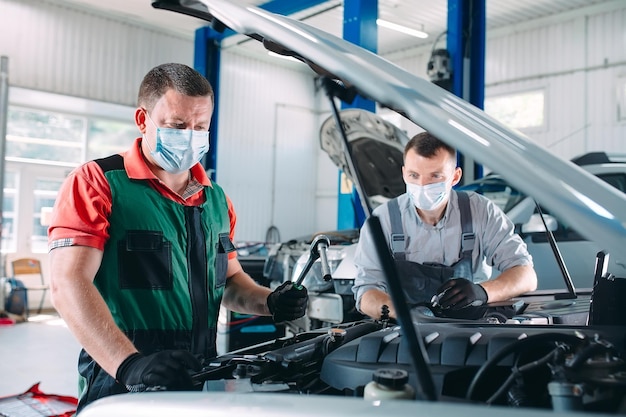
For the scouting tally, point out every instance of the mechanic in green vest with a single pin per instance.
(141, 253)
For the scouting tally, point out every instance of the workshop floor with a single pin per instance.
(39, 350)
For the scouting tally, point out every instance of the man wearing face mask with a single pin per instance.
(140, 250)
(444, 242)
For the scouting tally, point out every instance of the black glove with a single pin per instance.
(287, 302)
(459, 293)
(168, 369)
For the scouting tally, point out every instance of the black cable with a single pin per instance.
(432, 50)
(519, 370)
(519, 344)
(588, 352)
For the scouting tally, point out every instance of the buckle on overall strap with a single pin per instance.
(467, 242)
(397, 243)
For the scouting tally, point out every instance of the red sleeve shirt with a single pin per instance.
(82, 208)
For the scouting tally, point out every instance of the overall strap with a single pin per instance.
(467, 236)
(397, 231)
(110, 163)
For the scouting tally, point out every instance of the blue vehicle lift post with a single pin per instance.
(207, 54)
(466, 45)
(359, 27)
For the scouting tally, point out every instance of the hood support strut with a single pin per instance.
(571, 294)
(333, 90)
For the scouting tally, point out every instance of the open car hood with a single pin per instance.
(370, 154)
(595, 208)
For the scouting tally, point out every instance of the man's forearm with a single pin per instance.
(511, 283)
(372, 302)
(80, 304)
(244, 295)
(88, 318)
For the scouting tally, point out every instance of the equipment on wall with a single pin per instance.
(439, 67)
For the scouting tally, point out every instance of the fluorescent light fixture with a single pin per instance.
(402, 29)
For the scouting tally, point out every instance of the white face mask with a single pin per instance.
(427, 197)
(177, 150)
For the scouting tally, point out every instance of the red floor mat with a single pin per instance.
(34, 403)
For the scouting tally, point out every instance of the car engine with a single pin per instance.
(557, 367)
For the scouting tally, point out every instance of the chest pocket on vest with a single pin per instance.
(224, 246)
(145, 261)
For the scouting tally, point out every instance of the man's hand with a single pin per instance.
(287, 302)
(168, 369)
(458, 293)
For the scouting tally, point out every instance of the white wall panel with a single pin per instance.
(607, 38)
(414, 61)
(534, 52)
(576, 61)
(269, 160)
(73, 52)
(268, 149)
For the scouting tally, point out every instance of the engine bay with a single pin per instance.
(548, 366)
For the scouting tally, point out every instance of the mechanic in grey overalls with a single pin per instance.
(445, 243)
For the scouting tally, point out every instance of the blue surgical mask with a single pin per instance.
(427, 197)
(177, 150)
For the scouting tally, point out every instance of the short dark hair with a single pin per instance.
(427, 146)
(179, 77)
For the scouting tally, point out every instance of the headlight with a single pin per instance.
(313, 281)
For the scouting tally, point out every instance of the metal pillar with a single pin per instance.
(4, 111)
(359, 27)
(466, 45)
(207, 55)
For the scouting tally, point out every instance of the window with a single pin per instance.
(41, 136)
(616, 180)
(519, 111)
(107, 137)
(44, 194)
(9, 238)
(43, 145)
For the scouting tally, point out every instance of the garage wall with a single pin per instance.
(268, 157)
(580, 63)
(63, 50)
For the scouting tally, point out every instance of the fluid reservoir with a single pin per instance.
(389, 384)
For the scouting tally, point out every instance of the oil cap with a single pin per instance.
(392, 378)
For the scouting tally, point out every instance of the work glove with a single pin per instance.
(168, 369)
(287, 302)
(459, 293)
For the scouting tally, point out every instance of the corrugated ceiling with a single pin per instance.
(429, 15)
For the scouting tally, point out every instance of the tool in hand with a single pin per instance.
(318, 249)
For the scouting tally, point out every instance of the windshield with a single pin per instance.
(497, 190)
(577, 252)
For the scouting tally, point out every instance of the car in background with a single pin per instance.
(373, 160)
(577, 252)
(553, 356)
